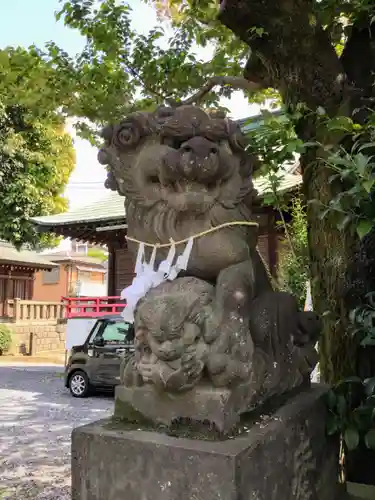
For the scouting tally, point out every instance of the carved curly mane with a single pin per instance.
(181, 171)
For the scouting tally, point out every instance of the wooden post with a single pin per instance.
(37, 311)
(17, 310)
(29, 286)
(6, 298)
(111, 271)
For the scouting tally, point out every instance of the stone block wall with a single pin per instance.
(38, 338)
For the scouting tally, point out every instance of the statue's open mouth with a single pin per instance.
(183, 186)
(194, 196)
(184, 194)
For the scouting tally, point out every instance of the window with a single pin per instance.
(84, 275)
(118, 333)
(17, 289)
(20, 289)
(51, 277)
(97, 328)
(79, 247)
(82, 249)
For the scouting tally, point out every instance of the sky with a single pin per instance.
(27, 22)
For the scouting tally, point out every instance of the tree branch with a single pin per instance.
(136, 75)
(237, 82)
(292, 54)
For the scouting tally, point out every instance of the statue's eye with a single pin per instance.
(172, 142)
(126, 136)
(167, 141)
(158, 335)
(154, 179)
(174, 335)
(157, 338)
(126, 133)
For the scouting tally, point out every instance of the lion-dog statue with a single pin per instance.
(219, 330)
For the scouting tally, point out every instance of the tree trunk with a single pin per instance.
(330, 253)
(295, 56)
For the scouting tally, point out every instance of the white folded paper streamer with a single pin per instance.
(146, 277)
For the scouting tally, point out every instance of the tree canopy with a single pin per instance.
(36, 154)
(36, 160)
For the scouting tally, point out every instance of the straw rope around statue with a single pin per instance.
(204, 233)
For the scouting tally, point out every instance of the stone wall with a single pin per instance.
(38, 338)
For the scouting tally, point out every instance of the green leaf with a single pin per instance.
(333, 425)
(341, 405)
(361, 162)
(343, 224)
(340, 123)
(368, 341)
(367, 145)
(310, 144)
(323, 214)
(370, 297)
(269, 199)
(370, 439)
(369, 384)
(351, 438)
(353, 380)
(368, 185)
(314, 201)
(364, 227)
(331, 399)
(334, 177)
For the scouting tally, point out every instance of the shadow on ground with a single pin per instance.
(37, 415)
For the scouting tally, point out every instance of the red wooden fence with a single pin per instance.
(92, 307)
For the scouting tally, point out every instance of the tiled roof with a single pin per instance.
(9, 255)
(287, 183)
(78, 259)
(111, 207)
(253, 122)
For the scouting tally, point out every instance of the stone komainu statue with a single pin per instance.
(218, 326)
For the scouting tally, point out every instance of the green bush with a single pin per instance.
(293, 269)
(5, 338)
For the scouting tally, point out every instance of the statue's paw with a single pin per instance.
(211, 325)
(184, 379)
(191, 366)
(146, 370)
(217, 363)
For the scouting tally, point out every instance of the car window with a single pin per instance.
(95, 331)
(117, 333)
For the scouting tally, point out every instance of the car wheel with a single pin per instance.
(79, 384)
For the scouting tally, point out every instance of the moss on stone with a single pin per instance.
(125, 412)
(126, 419)
(180, 428)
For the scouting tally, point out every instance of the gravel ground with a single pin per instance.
(37, 415)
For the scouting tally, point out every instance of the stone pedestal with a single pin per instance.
(217, 406)
(285, 456)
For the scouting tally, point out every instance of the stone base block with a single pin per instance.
(216, 406)
(285, 456)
